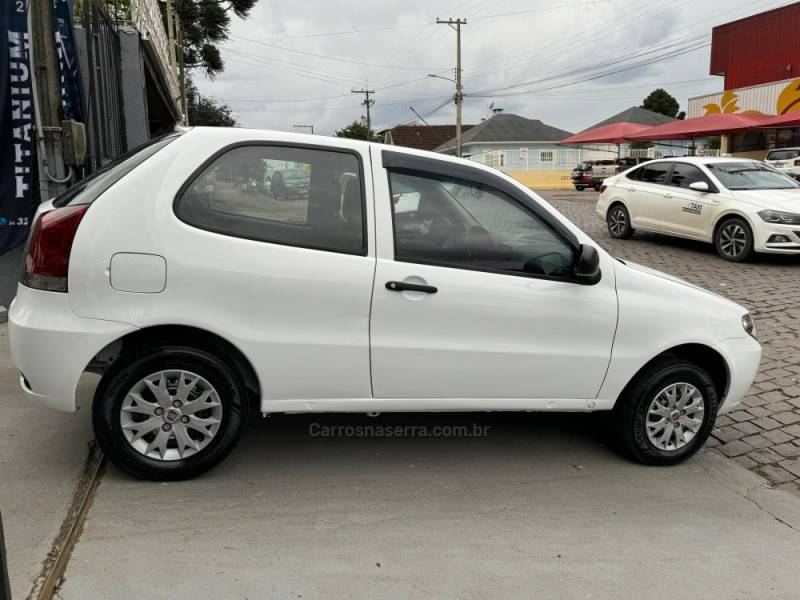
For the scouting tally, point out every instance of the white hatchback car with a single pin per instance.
(740, 205)
(785, 160)
(399, 281)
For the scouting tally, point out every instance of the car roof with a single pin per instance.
(706, 160)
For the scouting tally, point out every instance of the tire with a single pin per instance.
(632, 413)
(618, 221)
(213, 427)
(580, 188)
(733, 240)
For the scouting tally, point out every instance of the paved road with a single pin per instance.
(765, 434)
(539, 508)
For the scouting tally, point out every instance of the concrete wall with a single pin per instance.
(543, 180)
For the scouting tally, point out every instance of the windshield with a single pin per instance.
(751, 176)
(584, 166)
(788, 154)
(295, 174)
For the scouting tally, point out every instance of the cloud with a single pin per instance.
(279, 72)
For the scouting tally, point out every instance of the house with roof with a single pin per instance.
(510, 141)
(634, 114)
(421, 137)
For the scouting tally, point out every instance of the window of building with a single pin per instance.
(284, 195)
(458, 223)
(546, 156)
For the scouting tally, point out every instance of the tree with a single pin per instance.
(205, 24)
(357, 131)
(207, 111)
(663, 103)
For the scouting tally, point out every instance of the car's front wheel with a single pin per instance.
(734, 240)
(169, 413)
(667, 412)
(619, 222)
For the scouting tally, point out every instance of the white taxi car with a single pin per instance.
(742, 206)
(396, 280)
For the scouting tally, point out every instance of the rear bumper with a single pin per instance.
(742, 355)
(51, 346)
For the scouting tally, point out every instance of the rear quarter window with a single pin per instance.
(295, 196)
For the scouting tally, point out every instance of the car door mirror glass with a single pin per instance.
(587, 265)
(699, 186)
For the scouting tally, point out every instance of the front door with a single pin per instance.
(688, 211)
(474, 297)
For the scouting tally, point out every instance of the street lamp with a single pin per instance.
(440, 77)
(311, 127)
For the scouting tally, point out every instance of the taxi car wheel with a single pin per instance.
(666, 413)
(619, 222)
(733, 240)
(169, 413)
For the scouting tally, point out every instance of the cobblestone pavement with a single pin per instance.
(764, 433)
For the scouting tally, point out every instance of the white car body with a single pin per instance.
(785, 160)
(687, 213)
(320, 330)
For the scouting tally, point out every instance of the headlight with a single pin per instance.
(783, 218)
(749, 325)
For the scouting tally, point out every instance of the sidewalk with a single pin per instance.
(539, 508)
(42, 453)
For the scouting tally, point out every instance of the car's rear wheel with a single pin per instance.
(734, 240)
(619, 222)
(169, 413)
(580, 188)
(667, 412)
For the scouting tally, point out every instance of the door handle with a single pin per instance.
(667, 195)
(402, 286)
(631, 189)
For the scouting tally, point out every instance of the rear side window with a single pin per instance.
(285, 195)
(636, 174)
(684, 175)
(787, 154)
(655, 173)
(89, 189)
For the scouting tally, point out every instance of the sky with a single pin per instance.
(570, 63)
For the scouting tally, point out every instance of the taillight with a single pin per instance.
(603, 188)
(49, 247)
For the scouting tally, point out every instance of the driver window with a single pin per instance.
(463, 224)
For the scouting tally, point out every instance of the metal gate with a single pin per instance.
(105, 107)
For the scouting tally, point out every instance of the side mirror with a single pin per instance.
(587, 266)
(699, 186)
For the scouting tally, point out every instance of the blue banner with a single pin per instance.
(19, 180)
(71, 93)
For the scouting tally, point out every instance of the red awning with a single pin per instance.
(616, 133)
(697, 127)
(791, 119)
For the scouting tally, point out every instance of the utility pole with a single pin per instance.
(311, 127)
(47, 90)
(456, 24)
(367, 102)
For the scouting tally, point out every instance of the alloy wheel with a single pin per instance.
(675, 416)
(617, 221)
(732, 240)
(171, 415)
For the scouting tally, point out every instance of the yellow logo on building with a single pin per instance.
(788, 101)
